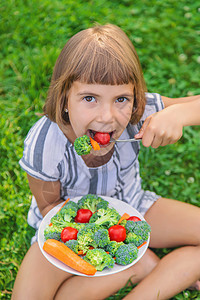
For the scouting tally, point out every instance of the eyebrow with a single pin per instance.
(93, 94)
(87, 93)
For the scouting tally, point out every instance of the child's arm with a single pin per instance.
(46, 193)
(165, 127)
(170, 101)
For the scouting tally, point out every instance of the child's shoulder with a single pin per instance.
(45, 131)
(154, 99)
(154, 104)
(44, 149)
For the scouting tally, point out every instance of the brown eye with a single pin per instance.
(89, 98)
(121, 99)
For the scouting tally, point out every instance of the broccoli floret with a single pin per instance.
(113, 246)
(70, 204)
(82, 145)
(106, 217)
(102, 203)
(101, 238)
(88, 202)
(123, 223)
(69, 212)
(91, 227)
(73, 245)
(78, 226)
(52, 232)
(62, 217)
(99, 259)
(126, 254)
(141, 228)
(92, 202)
(85, 241)
(58, 220)
(85, 237)
(130, 226)
(66, 214)
(131, 237)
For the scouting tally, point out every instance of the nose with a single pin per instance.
(105, 114)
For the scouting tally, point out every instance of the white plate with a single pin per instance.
(121, 207)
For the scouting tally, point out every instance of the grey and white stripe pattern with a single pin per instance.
(49, 156)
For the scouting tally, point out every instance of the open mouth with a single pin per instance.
(103, 138)
(93, 132)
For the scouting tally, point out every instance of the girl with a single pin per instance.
(97, 86)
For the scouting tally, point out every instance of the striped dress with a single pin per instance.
(48, 155)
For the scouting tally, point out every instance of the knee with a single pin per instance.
(151, 260)
(148, 262)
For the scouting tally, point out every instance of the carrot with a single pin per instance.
(94, 144)
(68, 257)
(50, 224)
(64, 203)
(141, 245)
(125, 216)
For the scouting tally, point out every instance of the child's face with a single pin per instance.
(100, 108)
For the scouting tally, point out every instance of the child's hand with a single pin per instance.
(162, 128)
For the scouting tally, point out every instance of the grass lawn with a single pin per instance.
(166, 36)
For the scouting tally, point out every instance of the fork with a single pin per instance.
(128, 140)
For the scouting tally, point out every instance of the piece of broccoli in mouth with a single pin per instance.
(126, 254)
(82, 145)
(99, 259)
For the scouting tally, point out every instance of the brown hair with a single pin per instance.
(102, 54)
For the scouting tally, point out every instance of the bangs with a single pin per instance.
(102, 55)
(102, 66)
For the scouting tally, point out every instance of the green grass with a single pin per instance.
(166, 36)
